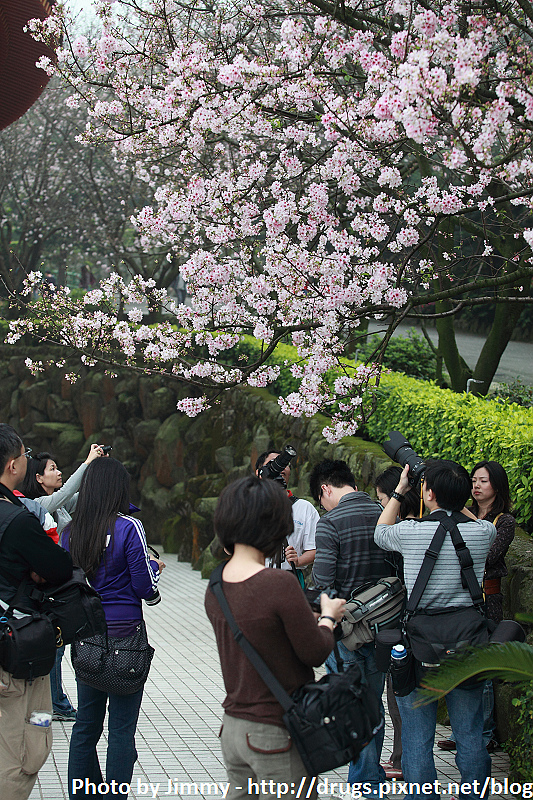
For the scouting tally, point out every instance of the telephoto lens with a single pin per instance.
(283, 460)
(398, 448)
(273, 469)
(507, 631)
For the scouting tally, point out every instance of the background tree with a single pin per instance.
(318, 164)
(67, 207)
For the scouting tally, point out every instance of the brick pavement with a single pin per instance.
(177, 734)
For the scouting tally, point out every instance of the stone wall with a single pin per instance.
(178, 465)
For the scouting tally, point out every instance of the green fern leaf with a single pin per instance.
(512, 662)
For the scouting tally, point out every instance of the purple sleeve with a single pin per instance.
(144, 577)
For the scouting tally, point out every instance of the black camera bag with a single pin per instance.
(75, 608)
(27, 639)
(330, 720)
(27, 644)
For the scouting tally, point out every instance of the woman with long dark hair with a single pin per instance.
(110, 546)
(44, 482)
(492, 501)
(252, 518)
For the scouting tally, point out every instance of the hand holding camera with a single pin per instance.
(331, 608)
(404, 483)
(398, 448)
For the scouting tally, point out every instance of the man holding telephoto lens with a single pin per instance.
(446, 488)
(300, 548)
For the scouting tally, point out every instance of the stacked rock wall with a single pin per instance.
(178, 465)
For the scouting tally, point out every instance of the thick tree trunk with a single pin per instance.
(505, 319)
(458, 369)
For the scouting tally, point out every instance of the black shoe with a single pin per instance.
(492, 746)
(65, 716)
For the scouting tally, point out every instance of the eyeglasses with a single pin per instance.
(26, 453)
(320, 498)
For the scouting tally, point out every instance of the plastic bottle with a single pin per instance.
(41, 718)
(398, 655)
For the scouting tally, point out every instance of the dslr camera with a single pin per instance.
(273, 469)
(313, 596)
(154, 598)
(398, 448)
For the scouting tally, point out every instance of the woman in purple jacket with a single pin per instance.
(111, 547)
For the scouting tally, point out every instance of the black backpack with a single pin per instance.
(75, 608)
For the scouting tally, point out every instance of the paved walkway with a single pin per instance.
(516, 361)
(177, 734)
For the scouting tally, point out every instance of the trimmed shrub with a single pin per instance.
(515, 392)
(462, 427)
(409, 354)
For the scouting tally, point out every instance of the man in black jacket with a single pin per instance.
(26, 552)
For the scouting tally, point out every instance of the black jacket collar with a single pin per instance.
(8, 494)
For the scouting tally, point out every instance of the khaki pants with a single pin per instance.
(254, 752)
(23, 747)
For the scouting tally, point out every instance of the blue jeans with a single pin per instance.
(367, 768)
(465, 707)
(488, 713)
(60, 701)
(121, 753)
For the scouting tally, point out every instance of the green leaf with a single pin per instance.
(512, 662)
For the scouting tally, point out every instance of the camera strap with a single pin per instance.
(447, 524)
(278, 558)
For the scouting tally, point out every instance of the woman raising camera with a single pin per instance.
(111, 547)
(252, 518)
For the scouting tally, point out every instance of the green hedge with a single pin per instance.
(442, 424)
(439, 423)
(409, 354)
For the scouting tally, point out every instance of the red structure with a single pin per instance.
(21, 82)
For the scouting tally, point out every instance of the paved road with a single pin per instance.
(517, 360)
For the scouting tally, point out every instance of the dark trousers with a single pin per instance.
(121, 752)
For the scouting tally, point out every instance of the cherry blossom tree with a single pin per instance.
(316, 164)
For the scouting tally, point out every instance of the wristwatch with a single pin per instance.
(397, 496)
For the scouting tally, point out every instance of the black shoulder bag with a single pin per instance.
(432, 635)
(330, 720)
(27, 639)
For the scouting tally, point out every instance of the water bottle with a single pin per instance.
(398, 655)
(41, 718)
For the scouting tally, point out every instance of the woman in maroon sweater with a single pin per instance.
(252, 518)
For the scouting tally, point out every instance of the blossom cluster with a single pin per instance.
(305, 182)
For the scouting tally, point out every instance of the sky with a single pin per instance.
(79, 6)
